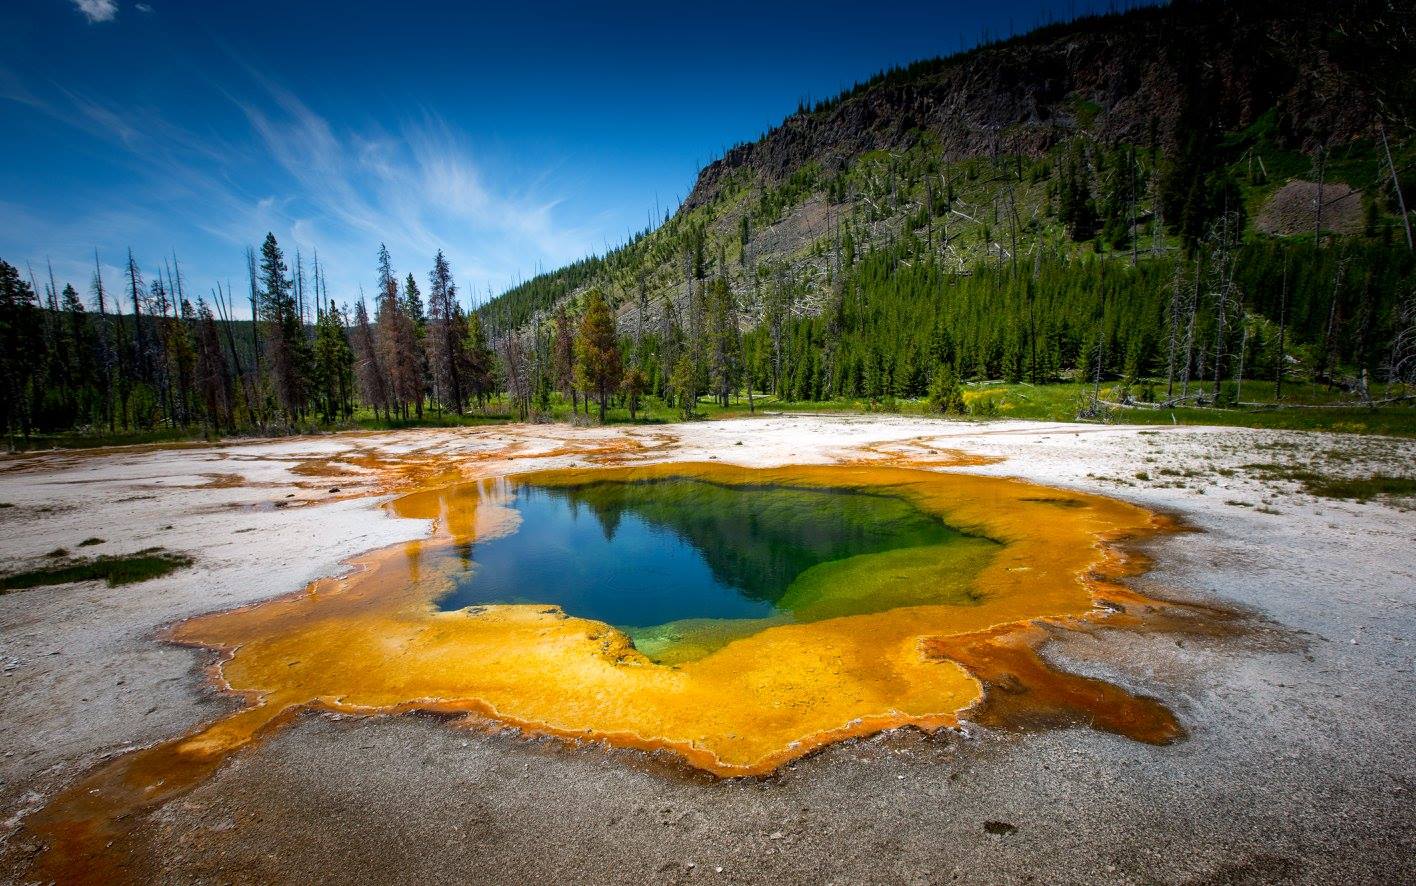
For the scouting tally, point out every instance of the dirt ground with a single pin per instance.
(1293, 209)
(1297, 765)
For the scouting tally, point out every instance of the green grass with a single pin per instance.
(496, 413)
(89, 440)
(1057, 402)
(1363, 488)
(1356, 488)
(117, 570)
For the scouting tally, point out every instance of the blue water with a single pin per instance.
(647, 553)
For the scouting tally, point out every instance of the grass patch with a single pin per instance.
(1357, 488)
(122, 569)
(1348, 488)
(89, 542)
(1055, 402)
(91, 439)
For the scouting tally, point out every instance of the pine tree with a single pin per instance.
(481, 362)
(683, 383)
(140, 347)
(103, 348)
(397, 341)
(635, 384)
(333, 363)
(445, 339)
(182, 348)
(725, 345)
(946, 395)
(563, 358)
(368, 368)
(597, 354)
(287, 349)
(413, 307)
(213, 381)
(21, 351)
(79, 345)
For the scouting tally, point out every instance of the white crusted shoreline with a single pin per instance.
(83, 675)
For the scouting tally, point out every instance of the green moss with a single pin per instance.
(117, 570)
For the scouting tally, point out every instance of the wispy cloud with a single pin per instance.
(419, 189)
(98, 10)
(340, 188)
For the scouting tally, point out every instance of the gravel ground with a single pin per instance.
(1298, 765)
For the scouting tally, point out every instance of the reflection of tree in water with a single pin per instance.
(758, 539)
(464, 554)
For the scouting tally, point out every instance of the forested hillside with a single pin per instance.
(1158, 205)
(1152, 195)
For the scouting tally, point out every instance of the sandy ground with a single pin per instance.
(1299, 764)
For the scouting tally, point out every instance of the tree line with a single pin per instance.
(898, 323)
(146, 355)
(1088, 263)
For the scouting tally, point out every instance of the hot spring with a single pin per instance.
(682, 565)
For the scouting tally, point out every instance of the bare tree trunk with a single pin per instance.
(1325, 358)
(1174, 325)
(105, 344)
(1243, 349)
(1190, 333)
(255, 404)
(1396, 186)
(1132, 161)
(1318, 223)
(1282, 329)
(929, 213)
(1032, 332)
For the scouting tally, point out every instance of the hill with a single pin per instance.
(966, 150)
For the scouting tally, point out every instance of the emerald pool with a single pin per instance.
(646, 553)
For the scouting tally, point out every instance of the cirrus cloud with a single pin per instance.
(98, 10)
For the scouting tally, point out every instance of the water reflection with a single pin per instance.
(651, 552)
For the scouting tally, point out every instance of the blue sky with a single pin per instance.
(514, 137)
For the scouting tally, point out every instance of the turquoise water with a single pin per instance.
(652, 552)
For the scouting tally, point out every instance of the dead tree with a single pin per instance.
(1225, 261)
(1396, 186)
(106, 357)
(1243, 349)
(1176, 309)
(1401, 364)
(1324, 359)
(1281, 357)
(1193, 309)
(222, 299)
(1318, 215)
(518, 372)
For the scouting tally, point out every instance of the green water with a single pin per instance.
(680, 560)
